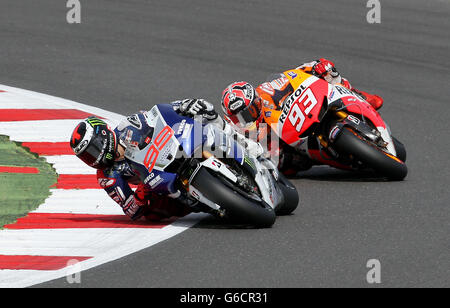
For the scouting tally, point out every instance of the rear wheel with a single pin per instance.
(370, 155)
(237, 207)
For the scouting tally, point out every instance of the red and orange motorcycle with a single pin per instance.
(337, 126)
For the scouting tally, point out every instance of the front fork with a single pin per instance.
(343, 119)
(190, 169)
(324, 135)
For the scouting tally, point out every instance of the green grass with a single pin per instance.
(22, 193)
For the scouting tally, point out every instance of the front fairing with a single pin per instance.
(175, 138)
(352, 103)
(154, 154)
(301, 110)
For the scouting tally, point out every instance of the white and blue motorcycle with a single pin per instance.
(179, 155)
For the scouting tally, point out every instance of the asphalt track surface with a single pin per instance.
(128, 55)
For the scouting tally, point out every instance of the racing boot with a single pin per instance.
(375, 100)
(163, 207)
(291, 163)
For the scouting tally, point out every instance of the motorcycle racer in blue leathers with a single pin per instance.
(103, 148)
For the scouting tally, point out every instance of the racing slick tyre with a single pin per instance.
(291, 198)
(383, 163)
(237, 207)
(400, 149)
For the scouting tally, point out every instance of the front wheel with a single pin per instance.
(370, 155)
(236, 206)
(400, 149)
(290, 193)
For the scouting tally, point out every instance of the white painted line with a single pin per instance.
(27, 96)
(13, 100)
(39, 131)
(74, 201)
(69, 164)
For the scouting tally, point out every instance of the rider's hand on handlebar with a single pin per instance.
(195, 107)
(323, 67)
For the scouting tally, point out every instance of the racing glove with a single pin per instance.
(325, 69)
(193, 107)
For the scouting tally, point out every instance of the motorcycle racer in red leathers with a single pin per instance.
(242, 106)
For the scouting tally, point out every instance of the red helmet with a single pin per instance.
(242, 104)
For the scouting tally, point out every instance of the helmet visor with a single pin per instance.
(100, 151)
(249, 115)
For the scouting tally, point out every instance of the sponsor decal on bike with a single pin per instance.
(181, 127)
(156, 181)
(216, 163)
(135, 121)
(330, 97)
(333, 133)
(354, 119)
(158, 145)
(279, 83)
(343, 90)
(292, 74)
(266, 87)
(149, 178)
(249, 162)
(129, 136)
(195, 194)
(288, 103)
